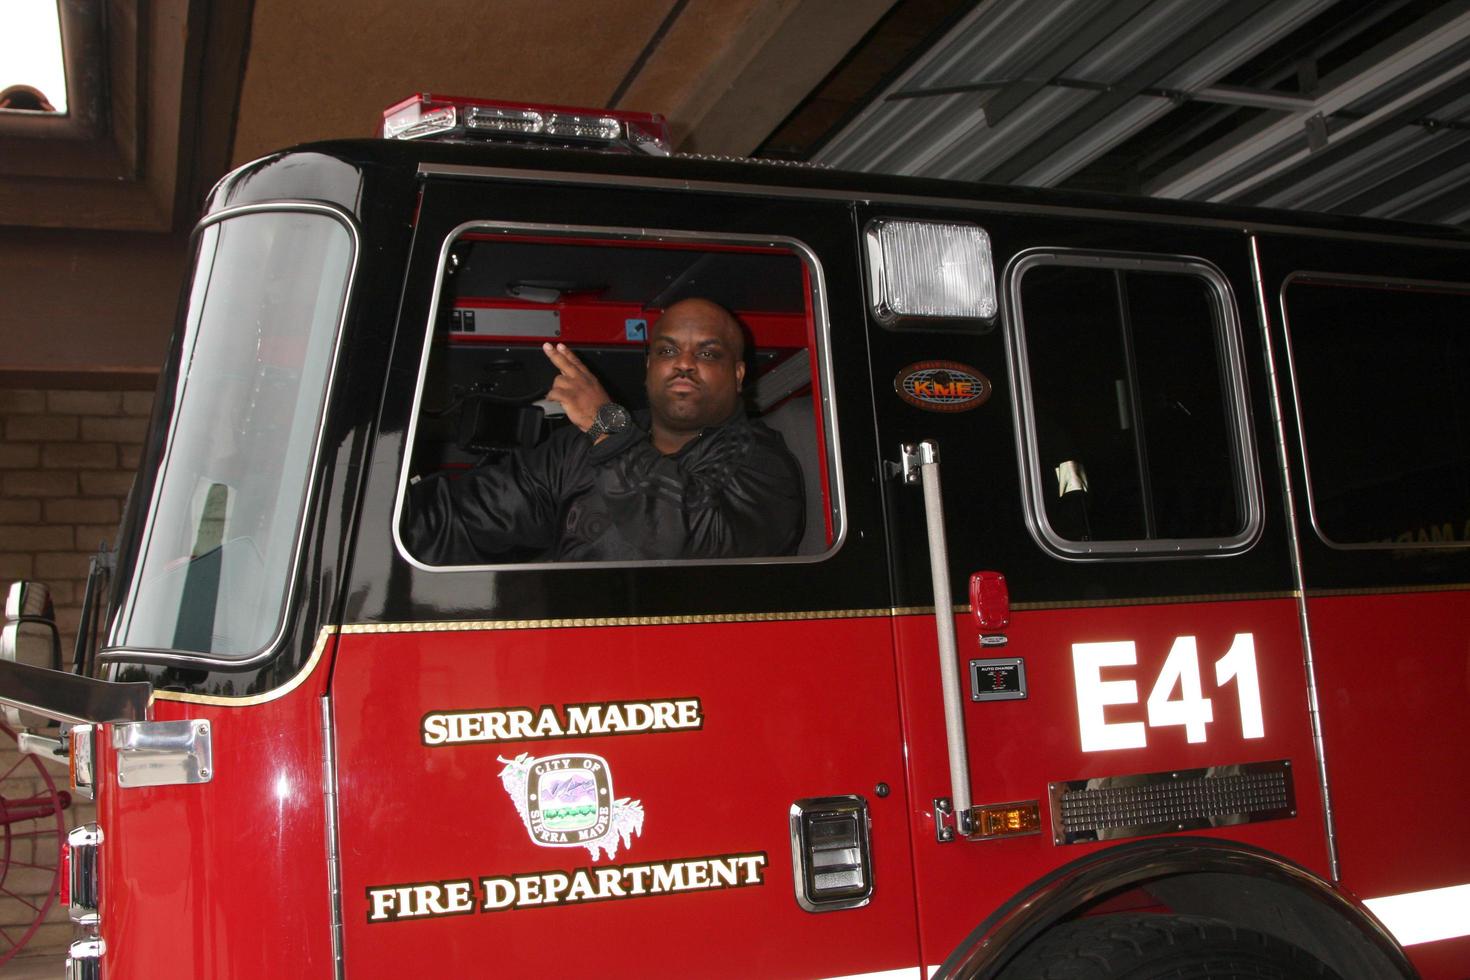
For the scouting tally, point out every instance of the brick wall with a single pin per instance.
(66, 461)
(67, 458)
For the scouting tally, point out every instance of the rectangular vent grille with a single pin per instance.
(1115, 807)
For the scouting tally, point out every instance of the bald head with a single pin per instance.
(695, 370)
(710, 313)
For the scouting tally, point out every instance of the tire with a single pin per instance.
(1161, 947)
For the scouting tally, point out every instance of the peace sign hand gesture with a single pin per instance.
(578, 390)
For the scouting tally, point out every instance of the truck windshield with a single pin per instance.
(215, 568)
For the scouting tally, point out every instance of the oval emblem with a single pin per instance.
(942, 386)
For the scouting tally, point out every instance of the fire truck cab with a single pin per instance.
(1127, 624)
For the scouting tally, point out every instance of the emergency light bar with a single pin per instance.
(425, 116)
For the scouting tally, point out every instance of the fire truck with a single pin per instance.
(1126, 637)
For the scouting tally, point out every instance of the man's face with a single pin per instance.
(694, 367)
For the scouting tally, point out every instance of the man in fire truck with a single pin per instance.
(691, 477)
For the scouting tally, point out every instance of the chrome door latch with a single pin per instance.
(912, 457)
(163, 753)
(949, 825)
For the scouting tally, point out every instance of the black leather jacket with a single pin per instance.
(734, 491)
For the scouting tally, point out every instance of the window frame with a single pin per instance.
(116, 651)
(1239, 418)
(836, 503)
(1327, 278)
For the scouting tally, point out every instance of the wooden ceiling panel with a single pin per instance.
(327, 70)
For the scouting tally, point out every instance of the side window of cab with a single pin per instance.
(1136, 433)
(592, 396)
(1377, 366)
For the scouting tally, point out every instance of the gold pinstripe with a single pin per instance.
(470, 625)
(239, 702)
(1388, 590)
(486, 625)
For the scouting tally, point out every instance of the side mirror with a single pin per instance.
(30, 633)
(29, 600)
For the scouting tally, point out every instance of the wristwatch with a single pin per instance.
(611, 418)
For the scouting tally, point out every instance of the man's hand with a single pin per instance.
(579, 392)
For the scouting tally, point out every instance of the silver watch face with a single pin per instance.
(612, 417)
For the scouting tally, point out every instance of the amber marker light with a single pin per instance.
(1008, 819)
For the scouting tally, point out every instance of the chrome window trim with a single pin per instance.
(333, 834)
(1247, 471)
(988, 206)
(120, 653)
(1294, 549)
(1296, 405)
(821, 328)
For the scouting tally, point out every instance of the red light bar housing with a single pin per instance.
(447, 117)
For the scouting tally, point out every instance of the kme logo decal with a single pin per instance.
(567, 801)
(942, 386)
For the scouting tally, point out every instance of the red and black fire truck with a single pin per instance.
(1127, 635)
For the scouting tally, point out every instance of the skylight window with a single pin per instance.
(32, 72)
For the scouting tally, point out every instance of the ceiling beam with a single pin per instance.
(1239, 96)
(1293, 65)
(769, 58)
(1201, 174)
(1439, 171)
(1191, 43)
(1051, 63)
(216, 54)
(1363, 148)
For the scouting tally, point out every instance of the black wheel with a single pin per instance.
(1161, 947)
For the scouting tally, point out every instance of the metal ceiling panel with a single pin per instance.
(1202, 99)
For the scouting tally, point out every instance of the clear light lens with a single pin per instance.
(414, 124)
(584, 127)
(82, 740)
(930, 269)
(452, 117)
(504, 120)
(649, 139)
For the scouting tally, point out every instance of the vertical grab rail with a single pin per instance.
(921, 465)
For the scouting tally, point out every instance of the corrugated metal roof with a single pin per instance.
(1348, 106)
